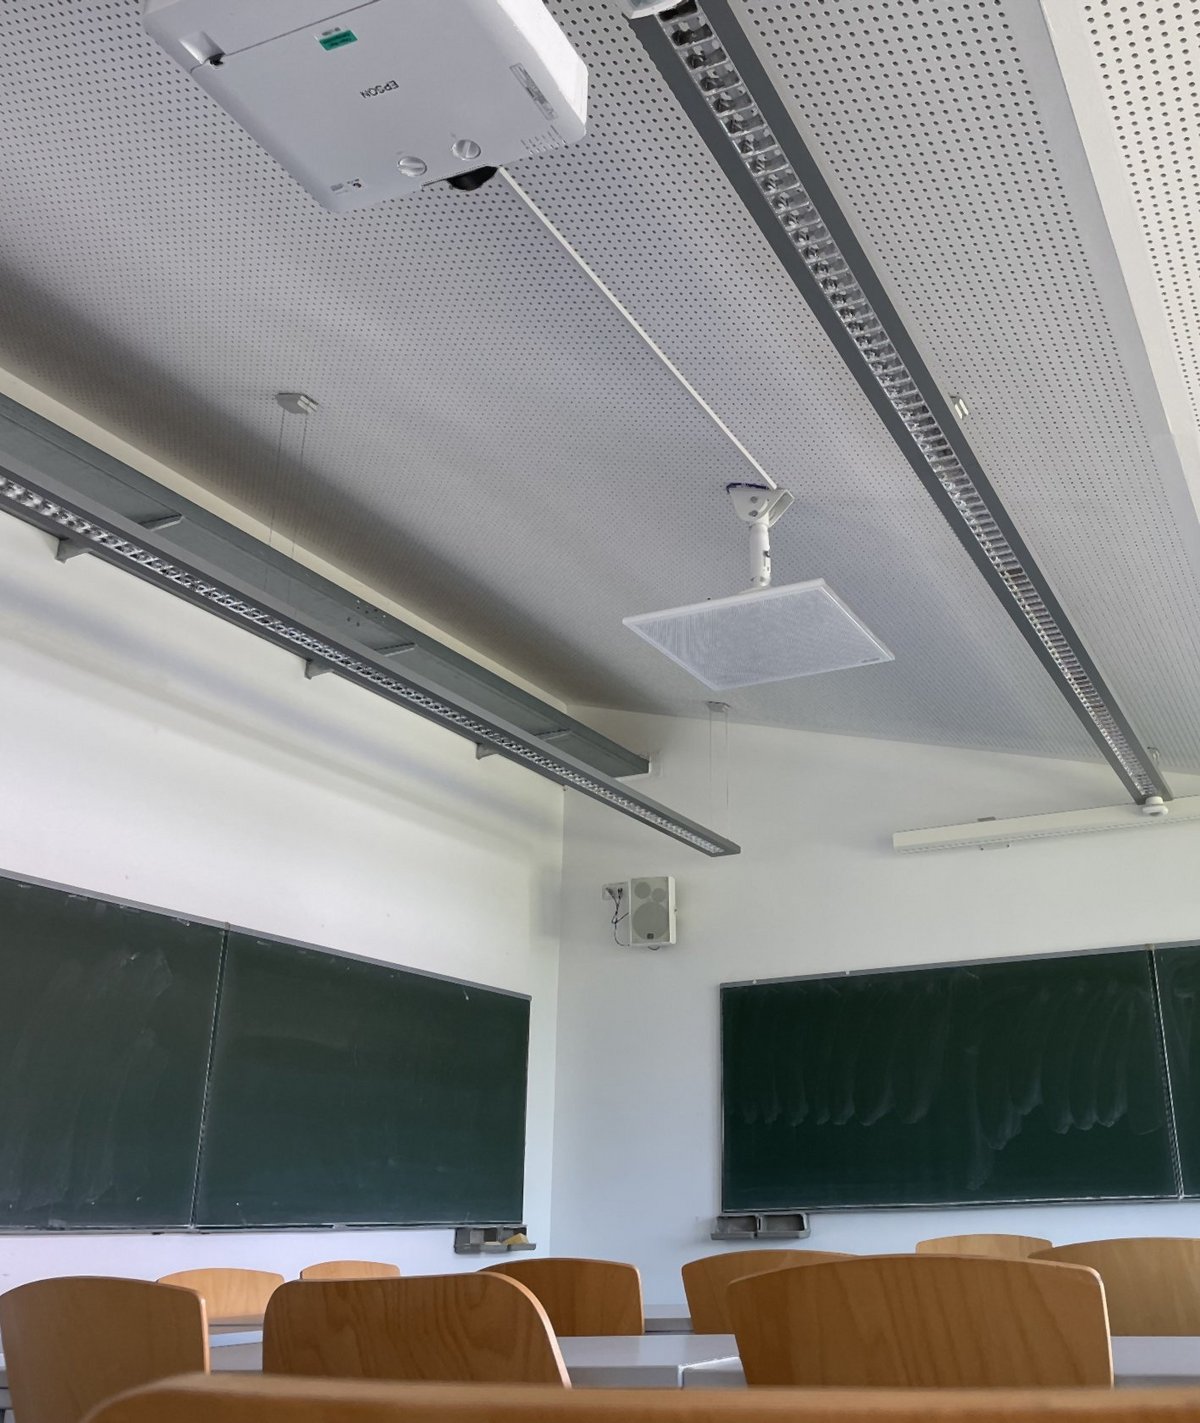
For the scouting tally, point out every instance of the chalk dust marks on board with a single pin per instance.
(72, 1158)
(850, 1057)
(957, 1045)
(1067, 1052)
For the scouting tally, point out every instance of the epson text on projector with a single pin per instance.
(381, 99)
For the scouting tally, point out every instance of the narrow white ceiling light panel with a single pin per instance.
(990, 834)
(372, 101)
(765, 635)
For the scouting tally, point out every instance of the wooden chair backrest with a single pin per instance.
(706, 1280)
(70, 1343)
(923, 1321)
(449, 1328)
(228, 1293)
(350, 1270)
(1152, 1283)
(581, 1296)
(244, 1398)
(1007, 1247)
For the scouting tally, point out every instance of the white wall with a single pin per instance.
(155, 754)
(816, 889)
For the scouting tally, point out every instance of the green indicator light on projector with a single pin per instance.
(336, 39)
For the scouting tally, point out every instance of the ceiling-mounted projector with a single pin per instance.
(380, 99)
(766, 634)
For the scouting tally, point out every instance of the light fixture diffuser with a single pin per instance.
(765, 635)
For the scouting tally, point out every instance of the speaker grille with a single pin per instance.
(651, 911)
(766, 635)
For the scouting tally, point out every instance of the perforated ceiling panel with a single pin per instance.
(945, 127)
(497, 449)
(1148, 58)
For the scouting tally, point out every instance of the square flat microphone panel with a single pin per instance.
(765, 635)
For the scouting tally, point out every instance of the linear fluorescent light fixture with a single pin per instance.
(994, 834)
(711, 66)
(765, 635)
(126, 545)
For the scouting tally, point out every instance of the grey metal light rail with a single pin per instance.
(324, 625)
(197, 533)
(711, 66)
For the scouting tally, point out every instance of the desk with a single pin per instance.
(613, 1361)
(230, 1338)
(244, 1357)
(1139, 1361)
(668, 1319)
(642, 1360)
(226, 1323)
(710, 1360)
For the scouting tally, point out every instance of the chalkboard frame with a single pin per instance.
(228, 927)
(1151, 949)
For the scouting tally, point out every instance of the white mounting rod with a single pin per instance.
(760, 554)
(761, 507)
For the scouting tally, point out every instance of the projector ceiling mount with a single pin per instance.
(761, 508)
(712, 67)
(764, 634)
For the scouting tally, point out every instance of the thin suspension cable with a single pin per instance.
(599, 282)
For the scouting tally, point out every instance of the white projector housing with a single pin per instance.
(766, 635)
(371, 101)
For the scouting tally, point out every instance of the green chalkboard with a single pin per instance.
(106, 1015)
(347, 1092)
(1179, 995)
(1026, 1080)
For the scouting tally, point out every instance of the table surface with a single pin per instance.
(660, 1319)
(612, 1361)
(1139, 1361)
(668, 1319)
(1156, 1359)
(641, 1360)
(710, 1360)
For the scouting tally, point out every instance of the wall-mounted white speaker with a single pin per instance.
(651, 912)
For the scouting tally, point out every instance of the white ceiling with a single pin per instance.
(496, 447)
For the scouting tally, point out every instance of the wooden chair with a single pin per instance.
(70, 1343)
(1152, 1283)
(229, 1293)
(581, 1296)
(705, 1280)
(350, 1270)
(1007, 1247)
(924, 1321)
(243, 1398)
(450, 1328)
